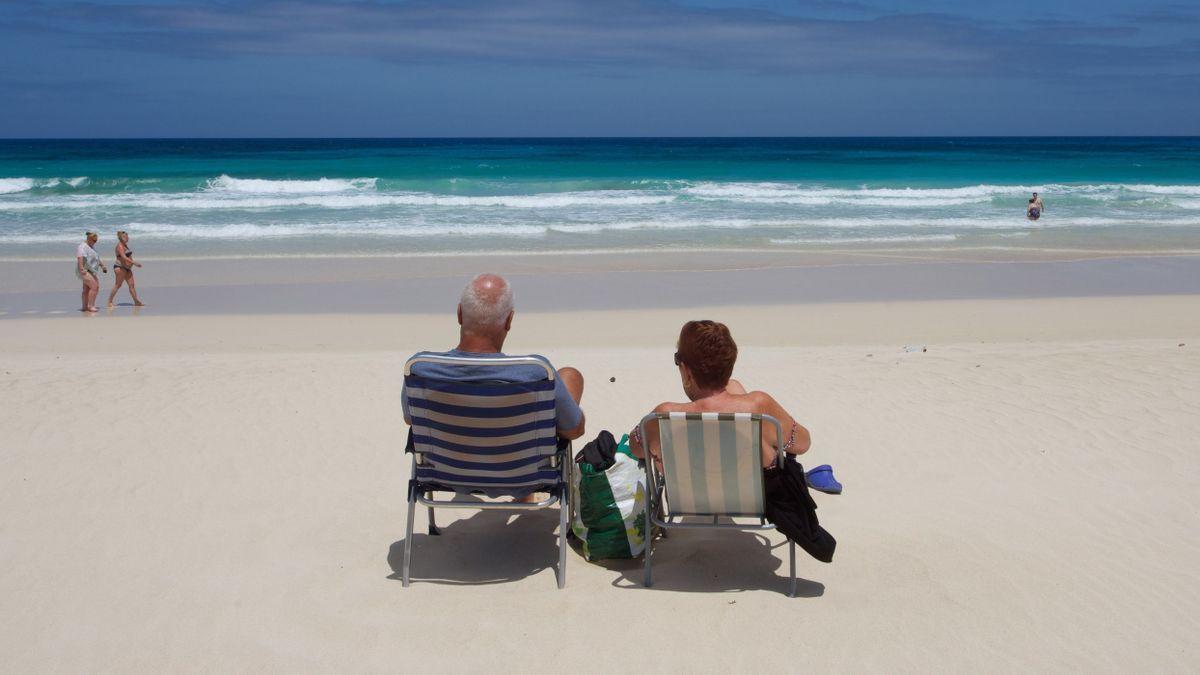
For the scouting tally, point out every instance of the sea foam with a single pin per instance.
(477, 212)
(777, 191)
(898, 239)
(337, 199)
(15, 185)
(11, 185)
(224, 183)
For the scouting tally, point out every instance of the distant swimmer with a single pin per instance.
(1033, 211)
(1037, 201)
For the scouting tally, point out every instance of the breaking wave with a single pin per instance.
(11, 185)
(260, 186)
(358, 213)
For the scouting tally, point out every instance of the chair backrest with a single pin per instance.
(712, 462)
(489, 436)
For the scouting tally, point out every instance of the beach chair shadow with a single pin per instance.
(699, 561)
(487, 547)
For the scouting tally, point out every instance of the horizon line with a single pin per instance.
(577, 138)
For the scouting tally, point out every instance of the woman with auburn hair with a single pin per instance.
(705, 357)
(123, 270)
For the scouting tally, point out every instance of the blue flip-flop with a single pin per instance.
(821, 478)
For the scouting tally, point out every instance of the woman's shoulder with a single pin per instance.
(750, 402)
(758, 401)
(669, 406)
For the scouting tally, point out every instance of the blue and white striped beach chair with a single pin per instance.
(712, 469)
(492, 438)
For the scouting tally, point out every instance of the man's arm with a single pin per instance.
(568, 392)
(578, 431)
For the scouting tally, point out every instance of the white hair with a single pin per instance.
(486, 302)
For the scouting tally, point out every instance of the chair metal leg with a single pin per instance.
(662, 513)
(433, 528)
(654, 507)
(408, 535)
(562, 544)
(792, 561)
(646, 580)
(662, 531)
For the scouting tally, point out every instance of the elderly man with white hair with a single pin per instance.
(485, 315)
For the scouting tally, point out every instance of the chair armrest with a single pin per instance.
(782, 456)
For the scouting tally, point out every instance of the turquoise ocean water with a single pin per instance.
(221, 198)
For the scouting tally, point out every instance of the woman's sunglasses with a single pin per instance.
(678, 361)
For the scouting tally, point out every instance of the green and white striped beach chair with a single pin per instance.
(495, 438)
(712, 470)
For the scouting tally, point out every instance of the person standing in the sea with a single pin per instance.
(1037, 201)
(87, 262)
(123, 270)
(1032, 212)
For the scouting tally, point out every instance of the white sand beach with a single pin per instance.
(204, 492)
(958, 242)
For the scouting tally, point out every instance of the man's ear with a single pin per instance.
(460, 315)
(508, 321)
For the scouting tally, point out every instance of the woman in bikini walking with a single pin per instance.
(123, 269)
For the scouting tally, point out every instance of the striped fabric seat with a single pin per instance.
(485, 436)
(497, 438)
(712, 463)
(711, 468)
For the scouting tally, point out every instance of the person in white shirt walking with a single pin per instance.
(87, 264)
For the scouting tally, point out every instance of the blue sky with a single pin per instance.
(141, 68)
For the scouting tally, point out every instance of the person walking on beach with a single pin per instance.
(123, 270)
(87, 262)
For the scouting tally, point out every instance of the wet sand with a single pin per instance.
(571, 283)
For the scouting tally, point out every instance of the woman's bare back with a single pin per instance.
(735, 399)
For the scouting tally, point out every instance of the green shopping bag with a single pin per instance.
(609, 507)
